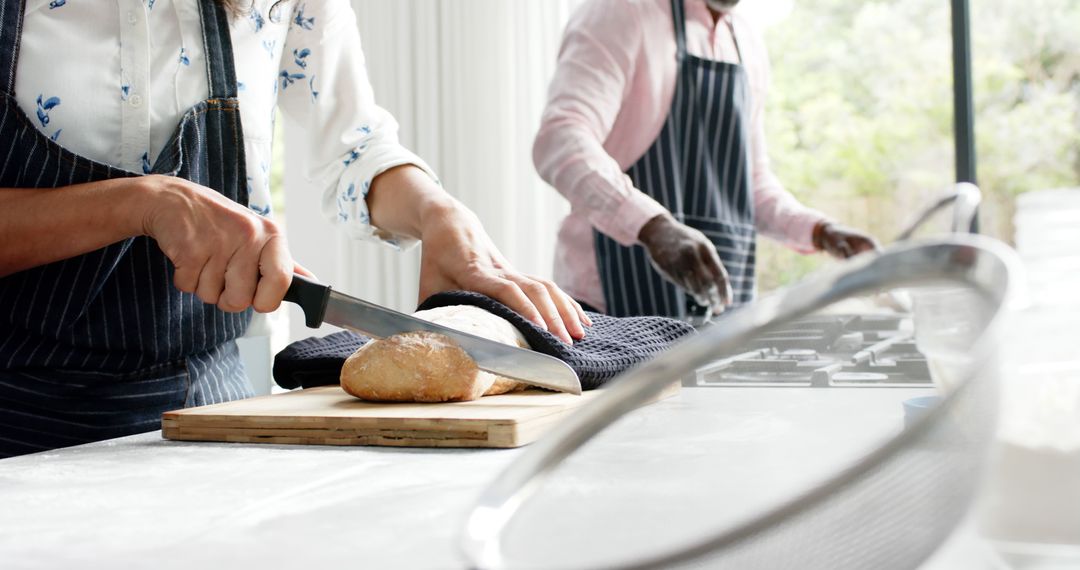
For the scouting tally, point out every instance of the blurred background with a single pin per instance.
(860, 114)
(859, 120)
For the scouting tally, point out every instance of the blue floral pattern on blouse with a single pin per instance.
(302, 21)
(288, 79)
(44, 106)
(271, 47)
(300, 57)
(257, 20)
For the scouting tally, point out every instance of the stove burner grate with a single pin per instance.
(827, 351)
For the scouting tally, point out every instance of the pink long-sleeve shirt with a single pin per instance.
(608, 102)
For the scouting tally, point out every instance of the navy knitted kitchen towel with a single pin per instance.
(611, 345)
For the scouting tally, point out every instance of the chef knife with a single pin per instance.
(321, 303)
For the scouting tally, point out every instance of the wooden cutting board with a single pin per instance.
(329, 416)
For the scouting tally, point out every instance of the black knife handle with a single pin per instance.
(312, 298)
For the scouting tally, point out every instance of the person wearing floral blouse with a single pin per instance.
(135, 228)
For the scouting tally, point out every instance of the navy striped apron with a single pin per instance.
(699, 169)
(99, 345)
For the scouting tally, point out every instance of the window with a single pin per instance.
(860, 111)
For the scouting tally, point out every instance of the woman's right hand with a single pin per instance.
(223, 252)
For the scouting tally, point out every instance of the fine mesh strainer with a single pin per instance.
(888, 509)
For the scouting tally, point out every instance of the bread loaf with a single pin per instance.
(429, 367)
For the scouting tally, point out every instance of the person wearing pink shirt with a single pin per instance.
(654, 131)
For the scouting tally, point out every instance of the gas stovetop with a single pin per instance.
(825, 351)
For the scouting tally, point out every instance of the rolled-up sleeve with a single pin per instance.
(597, 57)
(777, 213)
(323, 85)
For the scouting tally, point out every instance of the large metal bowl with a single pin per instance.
(892, 506)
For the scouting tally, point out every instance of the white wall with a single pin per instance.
(467, 81)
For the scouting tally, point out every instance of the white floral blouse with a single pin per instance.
(110, 80)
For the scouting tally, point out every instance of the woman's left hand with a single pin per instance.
(458, 254)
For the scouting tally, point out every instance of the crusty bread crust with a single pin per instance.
(429, 367)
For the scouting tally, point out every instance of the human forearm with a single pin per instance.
(573, 160)
(43, 225)
(458, 254)
(402, 199)
(220, 250)
(779, 215)
(593, 86)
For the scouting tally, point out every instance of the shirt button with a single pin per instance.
(135, 100)
(132, 18)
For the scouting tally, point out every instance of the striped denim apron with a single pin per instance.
(699, 169)
(99, 345)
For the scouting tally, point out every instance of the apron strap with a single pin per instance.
(217, 45)
(11, 18)
(734, 36)
(678, 17)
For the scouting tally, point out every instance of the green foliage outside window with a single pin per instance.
(859, 117)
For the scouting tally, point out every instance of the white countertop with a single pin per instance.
(708, 454)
